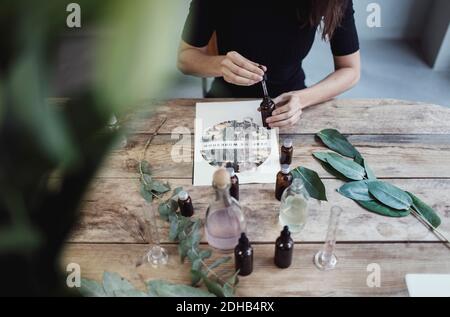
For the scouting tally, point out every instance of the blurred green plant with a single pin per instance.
(51, 150)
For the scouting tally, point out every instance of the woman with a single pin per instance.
(276, 35)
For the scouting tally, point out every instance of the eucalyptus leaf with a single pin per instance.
(369, 173)
(173, 231)
(147, 180)
(113, 282)
(390, 195)
(164, 211)
(381, 209)
(159, 187)
(145, 167)
(213, 286)
(90, 288)
(229, 287)
(176, 191)
(356, 190)
(333, 172)
(165, 289)
(311, 180)
(130, 293)
(146, 194)
(219, 262)
(426, 211)
(335, 141)
(348, 168)
(196, 276)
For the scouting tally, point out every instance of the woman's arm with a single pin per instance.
(290, 105)
(233, 67)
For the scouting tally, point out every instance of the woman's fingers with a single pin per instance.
(288, 121)
(242, 62)
(242, 72)
(232, 78)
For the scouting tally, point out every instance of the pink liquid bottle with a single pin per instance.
(225, 220)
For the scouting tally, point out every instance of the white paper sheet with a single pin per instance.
(232, 132)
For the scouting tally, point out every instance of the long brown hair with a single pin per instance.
(330, 12)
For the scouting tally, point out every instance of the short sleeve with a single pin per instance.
(199, 25)
(345, 39)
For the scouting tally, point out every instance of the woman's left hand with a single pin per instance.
(288, 111)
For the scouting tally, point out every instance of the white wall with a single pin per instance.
(400, 19)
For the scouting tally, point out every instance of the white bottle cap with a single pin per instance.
(231, 171)
(287, 143)
(285, 168)
(183, 195)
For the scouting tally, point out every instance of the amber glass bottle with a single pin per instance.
(185, 204)
(287, 151)
(284, 249)
(283, 181)
(267, 105)
(234, 183)
(243, 256)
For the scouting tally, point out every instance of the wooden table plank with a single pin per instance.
(394, 156)
(113, 209)
(301, 279)
(355, 116)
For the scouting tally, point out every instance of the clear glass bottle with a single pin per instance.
(225, 220)
(294, 206)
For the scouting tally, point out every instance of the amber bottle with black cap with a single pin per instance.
(284, 249)
(234, 183)
(267, 105)
(287, 151)
(243, 256)
(185, 204)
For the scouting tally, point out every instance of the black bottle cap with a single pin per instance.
(285, 234)
(244, 243)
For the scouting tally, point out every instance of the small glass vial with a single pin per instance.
(243, 256)
(283, 181)
(325, 259)
(185, 204)
(294, 206)
(284, 249)
(225, 220)
(287, 151)
(234, 183)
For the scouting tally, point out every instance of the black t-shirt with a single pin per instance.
(270, 33)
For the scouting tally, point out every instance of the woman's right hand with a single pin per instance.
(238, 70)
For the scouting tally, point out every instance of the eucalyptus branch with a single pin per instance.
(436, 231)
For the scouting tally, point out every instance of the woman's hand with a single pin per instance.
(238, 70)
(289, 109)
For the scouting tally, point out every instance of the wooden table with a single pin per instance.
(407, 143)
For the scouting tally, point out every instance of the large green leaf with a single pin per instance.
(165, 289)
(349, 169)
(335, 141)
(426, 211)
(369, 173)
(381, 209)
(91, 288)
(113, 283)
(313, 183)
(390, 195)
(356, 190)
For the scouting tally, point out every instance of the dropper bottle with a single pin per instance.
(284, 249)
(243, 256)
(267, 105)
